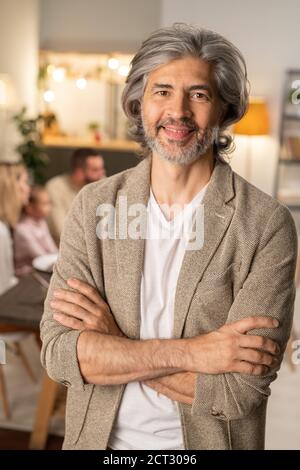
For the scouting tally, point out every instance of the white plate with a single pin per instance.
(45, 262)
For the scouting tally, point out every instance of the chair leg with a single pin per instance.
(25, 361)
(3, 394)
(45, 407)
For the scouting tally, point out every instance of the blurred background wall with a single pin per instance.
(97, 25)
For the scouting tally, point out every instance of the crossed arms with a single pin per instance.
(107, 357)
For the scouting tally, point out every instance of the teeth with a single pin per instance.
(179, 131)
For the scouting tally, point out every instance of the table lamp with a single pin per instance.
(254, 123)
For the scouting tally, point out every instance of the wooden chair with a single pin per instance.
(12, 338)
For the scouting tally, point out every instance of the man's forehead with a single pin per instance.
(191, 71)
(94, 160)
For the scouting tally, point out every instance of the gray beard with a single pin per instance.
(187, 154)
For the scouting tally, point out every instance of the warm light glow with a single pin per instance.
(49, 96)
(50, 69)
(113, 63)
(58, 74)
(123, 70)
(256, 119)
(81, 83)
(7, 92)
(3, 93)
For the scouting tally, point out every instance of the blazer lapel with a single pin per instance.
(129, 251)
(217, 217)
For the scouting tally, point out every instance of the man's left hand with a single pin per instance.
(83, 309)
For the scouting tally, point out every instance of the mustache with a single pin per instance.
(183, 122)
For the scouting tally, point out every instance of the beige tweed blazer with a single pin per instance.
(245, 267)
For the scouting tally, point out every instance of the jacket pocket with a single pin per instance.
(76, 410)
(213, 280)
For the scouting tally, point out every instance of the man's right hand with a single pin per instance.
(231, 349)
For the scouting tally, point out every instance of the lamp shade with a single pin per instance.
(256, 119)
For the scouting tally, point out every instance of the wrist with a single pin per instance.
(172, 353)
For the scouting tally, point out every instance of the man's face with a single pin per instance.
(181, 110)
(94, 169)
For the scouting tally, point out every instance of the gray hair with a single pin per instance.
(182, 40)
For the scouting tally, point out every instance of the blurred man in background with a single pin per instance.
(87, 166)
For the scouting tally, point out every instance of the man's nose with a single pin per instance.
(179, 107)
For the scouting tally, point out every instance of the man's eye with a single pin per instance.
(200, 96)
(162, 92)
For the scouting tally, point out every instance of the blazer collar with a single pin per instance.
(220, 187)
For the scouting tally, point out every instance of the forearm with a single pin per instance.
(107, 360)
(179, 387)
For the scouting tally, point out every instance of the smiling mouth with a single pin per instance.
(177, 133)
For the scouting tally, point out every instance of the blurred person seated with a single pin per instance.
(14, 194)
(87, 166)
(32, 237)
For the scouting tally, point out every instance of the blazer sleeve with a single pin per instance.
(269, 290)
(59, 344)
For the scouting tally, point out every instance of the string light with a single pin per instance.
(123, 70)
(113, 63)
(49, 96)
(81, 83)
(58, 74)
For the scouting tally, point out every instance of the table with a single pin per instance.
(22, 306)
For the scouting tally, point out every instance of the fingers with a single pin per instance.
(69, 322)
(252, 323)
(250, 369)
(76, 299)
(257, 357)
(259, 342)
(72, 310)
(88, 291)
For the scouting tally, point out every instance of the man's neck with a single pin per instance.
(177, 184)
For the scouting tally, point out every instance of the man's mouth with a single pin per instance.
(177, 132)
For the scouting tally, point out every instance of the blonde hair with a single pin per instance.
(10, 200)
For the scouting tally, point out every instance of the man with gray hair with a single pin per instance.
(163, 343)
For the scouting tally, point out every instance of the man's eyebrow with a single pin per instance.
(200, 86)
(161, 85)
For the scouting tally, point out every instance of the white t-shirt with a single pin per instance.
(146, 419)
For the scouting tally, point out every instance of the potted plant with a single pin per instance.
(94, 128)
(31, 149)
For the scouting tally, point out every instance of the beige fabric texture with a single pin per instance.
(245, 267)
(62, 194)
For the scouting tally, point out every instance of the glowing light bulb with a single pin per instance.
(123, 70)
(58, 74)
(49, 96)
(113, 63)
(81, 83)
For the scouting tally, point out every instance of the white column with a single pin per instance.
(19, 45)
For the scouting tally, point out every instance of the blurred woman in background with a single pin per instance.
(14, 194)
